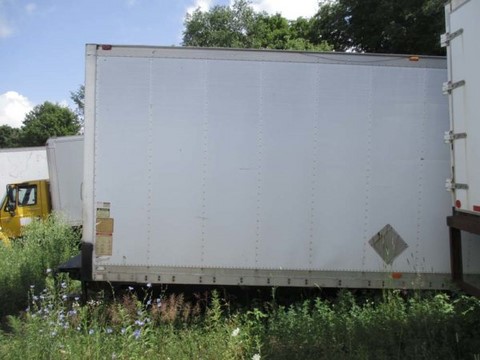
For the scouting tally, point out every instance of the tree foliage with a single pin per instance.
(78, 98)
(381, 26)
(48, 120)
(9, 136)
(239, 26)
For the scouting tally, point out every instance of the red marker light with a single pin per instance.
(106, 47)
(458, 204)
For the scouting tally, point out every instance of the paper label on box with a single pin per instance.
(103, 245)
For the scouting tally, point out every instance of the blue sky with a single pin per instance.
(42, 42)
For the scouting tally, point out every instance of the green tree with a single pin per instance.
(47, 120)
(239, 26)
(78, 97)
(9, 137)
(381, 26)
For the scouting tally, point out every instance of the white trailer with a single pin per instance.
(65, 164)
(22, 164)
(463, 90)
(265, 168)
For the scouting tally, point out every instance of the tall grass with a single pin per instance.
(44, 245)
(47, 323)
(434, 326)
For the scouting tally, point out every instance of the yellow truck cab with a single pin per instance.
(23, 203)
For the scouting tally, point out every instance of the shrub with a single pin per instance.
(44, 246)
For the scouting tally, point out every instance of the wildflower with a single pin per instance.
(64, 297)
(139, 323)
(123, 331)
(149, 285)
(49, 271)
(256, 357)
(53, 333)
(149, 302)
(137, 333)
(63, 285)
(77, 298)
(91, 332)
(236, 332)
(130, 288)
(32, 286)
(108, 330)
(35, 298)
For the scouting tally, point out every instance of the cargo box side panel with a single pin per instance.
(406, 167)
(434, 203)
(287, 125)
(65, 162)
(212, 165)
(179, 162)
(121, 159)
(326, 225)
(230, 164)
(23, 164)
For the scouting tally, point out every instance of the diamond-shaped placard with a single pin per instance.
(388, 244)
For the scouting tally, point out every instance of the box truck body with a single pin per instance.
(463, 91)
(22, 164)
(65, 164)
(42, 180)
(234, 167)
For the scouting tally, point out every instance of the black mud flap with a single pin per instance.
(73, 267)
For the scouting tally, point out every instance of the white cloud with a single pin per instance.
(63, 103)
(5, 29)
(204, 5)
(287, 8)
(131, 3)
(30, 8)
(13, 108)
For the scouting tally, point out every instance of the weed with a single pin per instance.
(44, 245)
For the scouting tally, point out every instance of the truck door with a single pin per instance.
(9, 220)
(19, 208)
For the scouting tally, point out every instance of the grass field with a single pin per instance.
(41, 320)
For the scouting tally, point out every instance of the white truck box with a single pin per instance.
(22, 164)
(234, 167)
(65, 164)
(463, 89)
